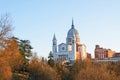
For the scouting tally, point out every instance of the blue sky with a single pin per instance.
(97, 21)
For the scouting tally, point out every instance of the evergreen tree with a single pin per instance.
(50, 59)
(25, 51)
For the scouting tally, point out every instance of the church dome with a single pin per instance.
(73, 33)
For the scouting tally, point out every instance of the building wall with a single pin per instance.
(62, 47)
(110, 53)
(103, 53)
(78, 55)
(117, 54)
(100, 53)
(83, 51)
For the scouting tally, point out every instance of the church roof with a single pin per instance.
(54, 37)
(73, 32)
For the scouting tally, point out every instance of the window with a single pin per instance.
(63, 48)
(69, 40)
(69, 47)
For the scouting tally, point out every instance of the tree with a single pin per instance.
(12, 55)
(5, 30)
(62, 71)
(87, 70)
(116, 69)
(51, 60)
(94, 72)
(5, 70)
(75, 68)
(25, 50)
(39, 70)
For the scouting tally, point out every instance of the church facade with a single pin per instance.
(71, 50)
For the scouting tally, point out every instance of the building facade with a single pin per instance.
(102, 53)
(71, 50)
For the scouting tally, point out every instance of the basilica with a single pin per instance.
(71, 50)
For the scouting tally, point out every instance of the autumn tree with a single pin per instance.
(115, 67)
(62, 71)
(88, 70)
(13, 56)
(94, 72)
(5, 35)
(78, 66)
(39, 70)
(5, 70)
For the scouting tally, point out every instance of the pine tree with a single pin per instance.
(51, 60)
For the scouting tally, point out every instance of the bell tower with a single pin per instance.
(54, 47)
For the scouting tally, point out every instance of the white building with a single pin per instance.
(113, 59)
(72, 49)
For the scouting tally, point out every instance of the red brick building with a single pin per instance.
(101, 53)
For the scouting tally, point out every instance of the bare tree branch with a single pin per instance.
(5, 30)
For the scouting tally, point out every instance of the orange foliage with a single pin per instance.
(5, 70)
(87, 70)
(11, 55)
(39, 70)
